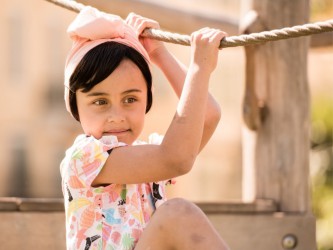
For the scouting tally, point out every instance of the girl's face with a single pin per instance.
(115, 106)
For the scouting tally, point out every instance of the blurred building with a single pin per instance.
(35, 127)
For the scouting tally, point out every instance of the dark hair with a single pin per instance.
(98, 64)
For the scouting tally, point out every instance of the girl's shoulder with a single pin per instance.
(85, 144)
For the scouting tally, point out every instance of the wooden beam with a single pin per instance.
(170, 18)
(255, 207)
(266, 230)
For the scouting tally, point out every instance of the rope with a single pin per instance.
(230, 41)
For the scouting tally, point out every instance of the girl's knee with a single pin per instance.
(179, 208)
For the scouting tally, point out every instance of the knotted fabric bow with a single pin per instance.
(91, 28)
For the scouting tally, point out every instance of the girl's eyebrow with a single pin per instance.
(97, 94)
(131, 91)
(126, 92)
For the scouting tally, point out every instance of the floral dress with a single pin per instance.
(110, 217)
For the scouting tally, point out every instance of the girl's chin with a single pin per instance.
(121, 137)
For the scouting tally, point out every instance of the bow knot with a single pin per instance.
(93, 25)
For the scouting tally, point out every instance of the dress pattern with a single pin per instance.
(106, 217)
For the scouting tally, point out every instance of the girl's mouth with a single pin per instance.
(117, 132)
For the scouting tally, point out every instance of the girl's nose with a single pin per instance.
(115, 115)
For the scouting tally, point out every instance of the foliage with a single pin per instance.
(321, 9)
(322, 170)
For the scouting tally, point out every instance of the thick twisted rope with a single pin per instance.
(230, 41)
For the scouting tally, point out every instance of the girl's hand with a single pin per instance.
(204, 48)
(140, 23)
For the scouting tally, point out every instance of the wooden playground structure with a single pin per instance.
(276, 209)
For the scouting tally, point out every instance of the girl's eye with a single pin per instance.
(100, 102)
(129, 100)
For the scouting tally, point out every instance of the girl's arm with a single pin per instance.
(175, 72)
(184, 137)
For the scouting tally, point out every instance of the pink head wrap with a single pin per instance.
(91, 28)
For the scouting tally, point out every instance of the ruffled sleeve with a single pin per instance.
(86, 158)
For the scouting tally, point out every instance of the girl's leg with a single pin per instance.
(179, 224)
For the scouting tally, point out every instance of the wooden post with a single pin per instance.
(276, 153)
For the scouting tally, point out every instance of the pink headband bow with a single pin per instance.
(91, 28)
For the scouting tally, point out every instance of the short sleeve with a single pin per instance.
(155, 139)
(88, 155)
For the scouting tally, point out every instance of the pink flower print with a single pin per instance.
(74, 182)
(131, 222)
(73, 226)
(90, 168)
(113, 195)
(98, 216)
(134, 201)
(86, 154)
(146, 216)
(106, 148)
(136, 233)
(148, 189)
(122, 211)
(81, 236)
(115, 237)
(87, 217)
(89, 193)
(98, 200)
(106, 231)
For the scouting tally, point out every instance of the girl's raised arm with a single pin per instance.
(175, 72)
(194, 121)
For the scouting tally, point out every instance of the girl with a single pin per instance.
(113, 185)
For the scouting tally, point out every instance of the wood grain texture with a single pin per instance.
(282, 140)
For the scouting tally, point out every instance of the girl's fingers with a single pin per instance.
(136, 25)
(147, 23)
(208, 35)
(217, 35)
(211, 33)
(139, 23)
(131, 18)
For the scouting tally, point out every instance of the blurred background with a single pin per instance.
(36, 129)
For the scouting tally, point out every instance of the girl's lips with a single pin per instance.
(116, 132)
